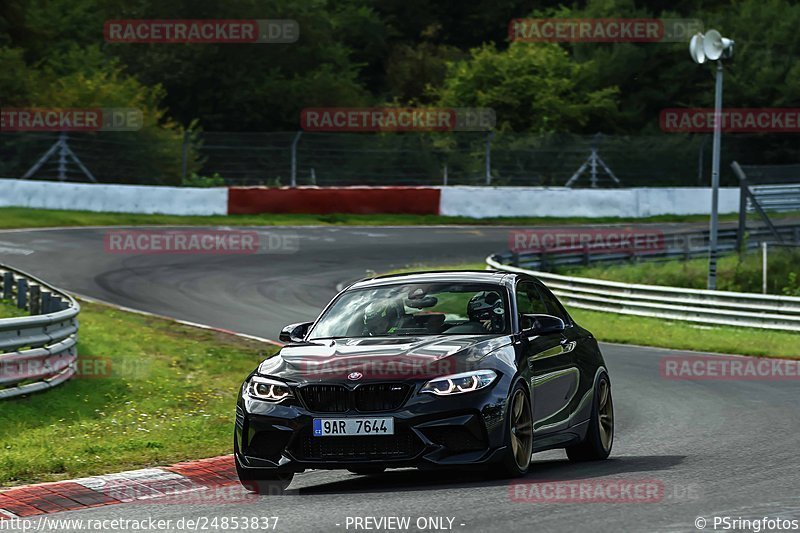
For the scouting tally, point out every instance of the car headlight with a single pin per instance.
(460, 383)
(269, 390)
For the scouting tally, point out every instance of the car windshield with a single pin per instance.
(416, 309)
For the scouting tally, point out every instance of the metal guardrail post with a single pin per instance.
(35, 304)
(22, 293)
(8, 285)
(46, 302)
(46, 339)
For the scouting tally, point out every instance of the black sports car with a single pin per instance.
(438, 369)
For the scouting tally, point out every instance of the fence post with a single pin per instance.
(587, 258)
(444, 177)
(294, 158)
(185, 155)
(22, 293)
(742, 215)
(489, 157)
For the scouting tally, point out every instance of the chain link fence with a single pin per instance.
(326, 159)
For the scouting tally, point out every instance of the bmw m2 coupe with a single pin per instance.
(438, 369)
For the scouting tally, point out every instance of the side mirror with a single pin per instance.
(294, 332)
(541, 324)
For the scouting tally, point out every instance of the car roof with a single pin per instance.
(459, 276)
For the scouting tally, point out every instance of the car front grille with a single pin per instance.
(400, 446)
(366, 398)
(326, 398)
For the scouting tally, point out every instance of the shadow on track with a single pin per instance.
(547, 470)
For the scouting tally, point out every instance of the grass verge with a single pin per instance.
(19, 217)
(9, 310)
(169, 396)
(644, 331)
(734, 273)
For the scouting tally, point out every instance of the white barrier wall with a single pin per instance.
(114, 198)
(484, 202)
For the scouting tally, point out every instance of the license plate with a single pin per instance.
(326, 427)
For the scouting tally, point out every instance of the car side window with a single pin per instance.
(554, 307)
(528, 299)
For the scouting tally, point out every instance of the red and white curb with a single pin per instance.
(211, 480)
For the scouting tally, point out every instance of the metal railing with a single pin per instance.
(657, 301)
(682, 245)
(39, 351)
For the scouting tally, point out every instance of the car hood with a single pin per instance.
(381, 358)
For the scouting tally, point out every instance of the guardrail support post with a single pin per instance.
(35, 299)
(46, 303)
(22, 293)
(515, 259)
(8, 285)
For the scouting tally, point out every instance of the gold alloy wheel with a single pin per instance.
(521, 430)
(605, 410)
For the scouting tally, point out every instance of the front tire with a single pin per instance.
(599, 439)
(519, 434)
(265, 483)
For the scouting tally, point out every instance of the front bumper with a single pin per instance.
(430, 431)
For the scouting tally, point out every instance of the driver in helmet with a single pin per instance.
(487, 308)
(380, 318)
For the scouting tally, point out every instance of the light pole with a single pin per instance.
(713, 46)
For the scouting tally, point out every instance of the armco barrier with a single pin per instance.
(37, 352)
(321, 201)
(672, 303)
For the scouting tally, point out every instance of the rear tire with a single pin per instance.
(519, 434)
(599, 439)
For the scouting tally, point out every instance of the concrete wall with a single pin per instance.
(483, 202)
(113, 198)
(475, 202)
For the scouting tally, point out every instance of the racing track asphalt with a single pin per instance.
(718, 448)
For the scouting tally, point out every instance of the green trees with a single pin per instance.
(398, 52)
